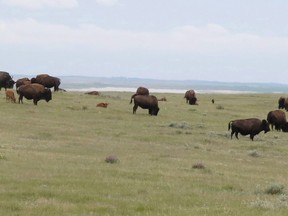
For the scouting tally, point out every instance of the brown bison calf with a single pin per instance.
(10, 95)
(252, 126)
(276, 118)
(104, 105)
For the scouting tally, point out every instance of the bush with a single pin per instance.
(253, 153)
(198, 165)
(111, 159)
(275, 189)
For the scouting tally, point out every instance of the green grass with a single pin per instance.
(53, 157)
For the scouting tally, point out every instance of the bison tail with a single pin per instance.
(132, 97)
(229, 125)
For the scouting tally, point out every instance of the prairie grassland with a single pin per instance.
(182, 162)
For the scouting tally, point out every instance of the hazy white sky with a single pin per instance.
(223, 40)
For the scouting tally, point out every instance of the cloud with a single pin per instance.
(106, 2)
(211, 38)
(38, 4)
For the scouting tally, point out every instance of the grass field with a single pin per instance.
(69, 157)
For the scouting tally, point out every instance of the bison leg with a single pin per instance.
(236, 134)
(20, 99)
(232, 132)
(252, 136)
(135, 108)
(35, 101)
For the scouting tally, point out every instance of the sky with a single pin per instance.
(223, 40)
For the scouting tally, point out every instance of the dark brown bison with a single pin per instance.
(281, 102)
(142, 91)
(276, 118)
(22, 81)
(34, 91)
(149, 102)
(252, 126)
(190, 97)
(10, 95)
(6, 80)
(47, 81)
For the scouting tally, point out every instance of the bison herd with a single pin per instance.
(38, 88)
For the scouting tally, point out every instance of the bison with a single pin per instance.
(93, 93)
(251, 126)
(283, 103)
(276, 118)
(190, 97)
(6, 80)
(142, 91)
(47, 81)
(22, 81)
(149, 102)
(10, 95)
(34, 91)
(102, 104)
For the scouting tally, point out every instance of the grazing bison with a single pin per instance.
(34, 91)
(276, 118)
(252, 126)
(22, 81)
(47, 81)
(149, 102)
(281, 101)
(10, 95)
(104, 105)
(6, 80)
(190, 97)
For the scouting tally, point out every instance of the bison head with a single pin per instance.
(10, 83)
(265, 126)
(154, 111)
(48, 95)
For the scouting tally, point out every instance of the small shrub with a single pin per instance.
(2, 157)
(275, 189)
(182, 125)
(253, 153)
(111, 159)
(198, 165)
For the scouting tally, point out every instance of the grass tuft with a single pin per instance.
(253, 153)
(181, 125)
(220, 107)
(198, 165)
(275, 189)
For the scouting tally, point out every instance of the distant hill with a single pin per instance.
(85, 82)
(80, 82)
